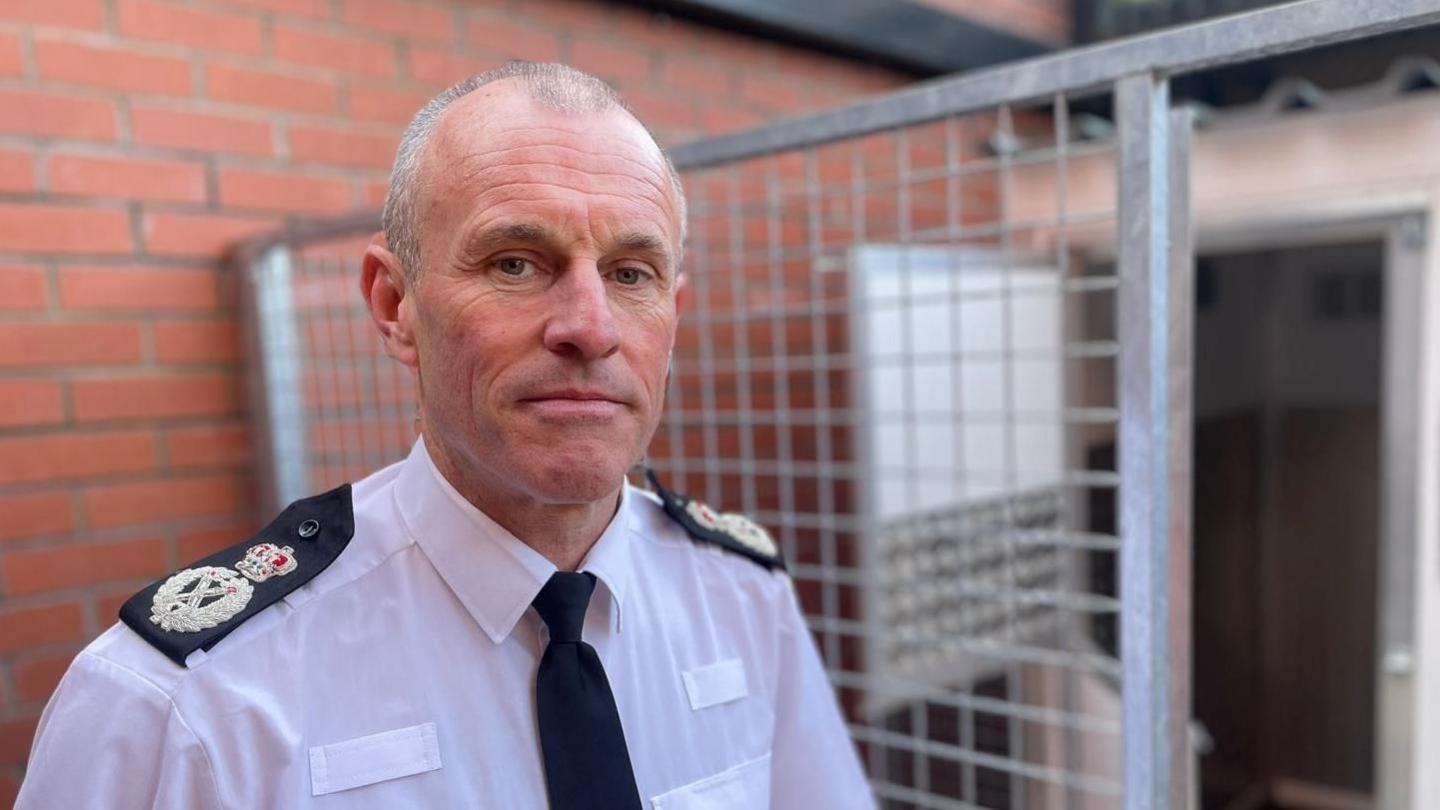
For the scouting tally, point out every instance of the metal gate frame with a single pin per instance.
(1155, 260)
(1155, 253)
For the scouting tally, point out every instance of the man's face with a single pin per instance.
(546, 306)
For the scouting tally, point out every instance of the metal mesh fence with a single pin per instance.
(912, 384)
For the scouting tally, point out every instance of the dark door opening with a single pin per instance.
(1287, 525)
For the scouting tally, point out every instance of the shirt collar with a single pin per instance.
(493, 573)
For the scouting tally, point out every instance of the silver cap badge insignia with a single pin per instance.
(197, 599)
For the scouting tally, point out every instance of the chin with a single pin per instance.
(574, 477)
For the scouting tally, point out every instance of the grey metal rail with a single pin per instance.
(1229, 40)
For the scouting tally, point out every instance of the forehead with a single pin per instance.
(499, 148)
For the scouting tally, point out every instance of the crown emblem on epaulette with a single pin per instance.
(267, 560)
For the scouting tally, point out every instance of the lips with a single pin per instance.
(574, 395)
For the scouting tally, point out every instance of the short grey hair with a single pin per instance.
(559, 87)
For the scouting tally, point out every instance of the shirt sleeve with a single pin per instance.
(111, 739)
(814, 762)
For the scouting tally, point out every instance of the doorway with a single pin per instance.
(1287, 524)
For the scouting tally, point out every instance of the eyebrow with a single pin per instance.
(489, 239)
(648, 243)
(481, 243)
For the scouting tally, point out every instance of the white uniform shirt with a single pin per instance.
(402, 676)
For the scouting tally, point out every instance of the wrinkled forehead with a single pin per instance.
(486, 137)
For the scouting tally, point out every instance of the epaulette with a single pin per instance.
(197, 606)
(729, 530)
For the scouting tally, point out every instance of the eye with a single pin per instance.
(513, 266)
(630, 276)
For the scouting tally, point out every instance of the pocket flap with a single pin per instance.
(716, 683)
(373, 758)
(746, 785)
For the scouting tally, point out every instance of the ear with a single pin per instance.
(383, 284)
(682, 292)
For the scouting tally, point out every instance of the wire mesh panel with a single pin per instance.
(910, 378)
(348, 409)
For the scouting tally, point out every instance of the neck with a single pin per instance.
(562, 532)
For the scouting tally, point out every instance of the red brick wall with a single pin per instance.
(138, 138)
(1043, 20)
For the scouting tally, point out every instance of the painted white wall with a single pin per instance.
(942, 416)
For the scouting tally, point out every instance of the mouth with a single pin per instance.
(574, 405)
(573, 395)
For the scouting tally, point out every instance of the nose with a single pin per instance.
(582, 324)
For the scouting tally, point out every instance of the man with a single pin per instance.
(498, 621)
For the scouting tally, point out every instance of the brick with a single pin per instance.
(75, 456)
(618, 63)
(64, 229)
(666, 111)
(271, 88)
(152, 501)
(504, 36)
(61, 115)
(114, 68)
(340, 147)
(9, 790)
(180, 129)
(199, 28)
(373, 192)
(315, 9)
(197, 341)
(715, 119)
(30, 403)
(207, 446)
(655, 28)
(410, 20)
(36, 678)
(714, 80)
(12, 59)
(342, 52)
(127, 178)
(737, 49)
(283, 191)
(49, 569)
(15, 739)
(35, 513)
(21, 289)
(87, 14)
(30, 345)
(147, 289)
(200, 543)
(17, 172)
(443, 68)
(568, 15)
(766, 90)
(157, 396)
(21, 628)
(204, 235)
(367, 103)
(107, 605)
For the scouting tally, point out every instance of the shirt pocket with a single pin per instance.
(373, 758)
(746, 785)
(714, 684)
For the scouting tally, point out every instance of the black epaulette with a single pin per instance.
(729, 530)
(199, 605)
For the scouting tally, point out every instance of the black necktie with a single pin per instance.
(587, 766)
